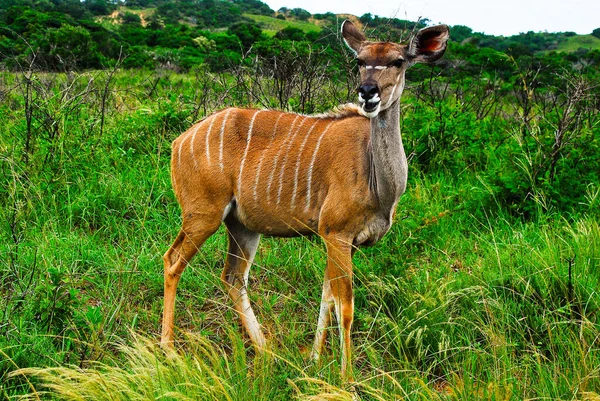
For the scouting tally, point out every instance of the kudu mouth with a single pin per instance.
(369, 99)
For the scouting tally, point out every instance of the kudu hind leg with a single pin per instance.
(243, 244)
(189, 240)
(324, 320)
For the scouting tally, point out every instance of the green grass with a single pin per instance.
(462, 300)
(574, 43)
(271, 25)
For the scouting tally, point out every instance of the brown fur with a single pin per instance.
(285, 174)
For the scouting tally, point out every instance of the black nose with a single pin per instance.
(368, 92)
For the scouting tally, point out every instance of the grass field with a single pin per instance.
(574, 43)
(271, 25)
(464, 299)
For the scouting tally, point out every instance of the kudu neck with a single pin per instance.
(388, 157)
(387, 121)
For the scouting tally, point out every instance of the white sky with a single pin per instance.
(497, 17)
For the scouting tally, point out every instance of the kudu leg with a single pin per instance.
(325, 311)
(242, 248)
(189, 240)
(337, 290)
(324, 320)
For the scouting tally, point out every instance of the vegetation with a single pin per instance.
(580, 43)
(271, 25)
(67, 35)
(486, 286)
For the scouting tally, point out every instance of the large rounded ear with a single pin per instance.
(353, 37)
(429, 44)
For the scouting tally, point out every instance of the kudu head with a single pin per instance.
(383, 65)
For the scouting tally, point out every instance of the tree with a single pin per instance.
(131, 19)
(99, 7)
(69, 48)
(459, 33)
(254, 7)
(596, 33)
(291, 33)
(247, 32)
(300, 14)
(366, 18)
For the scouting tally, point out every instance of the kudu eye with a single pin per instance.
(398, 63)
(360, 62)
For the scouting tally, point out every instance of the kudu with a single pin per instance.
(282, 174)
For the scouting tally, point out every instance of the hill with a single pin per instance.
(272, 25)
(68, 34)
(579, 43)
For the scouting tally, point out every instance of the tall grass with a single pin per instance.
(444, 331)
(464, 298)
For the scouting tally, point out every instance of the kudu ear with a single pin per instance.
(429, 44)
(353, 37)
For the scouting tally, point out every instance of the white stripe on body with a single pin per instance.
(208, 137)
(179, 152)
(248, 139)
(275, 161)
(192, 143)
(221, 139)
(287, 152)
(310, 167)
(263, 156)
(298, 164)
(185, 136)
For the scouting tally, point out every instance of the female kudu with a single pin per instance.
(282, 174)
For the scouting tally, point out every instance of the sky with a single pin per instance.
(494, 17)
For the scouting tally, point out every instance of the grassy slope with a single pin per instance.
(575, 43)
(272, 25)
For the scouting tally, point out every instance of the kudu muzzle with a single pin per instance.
(368, 96)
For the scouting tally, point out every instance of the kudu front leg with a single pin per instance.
(337, 293)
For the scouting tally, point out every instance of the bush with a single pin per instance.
(247, 32)
(291, 33)
(130, 19)
(69, 48)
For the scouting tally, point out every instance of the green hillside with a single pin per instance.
(94, 34)
(272, 25)
(578, 42)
